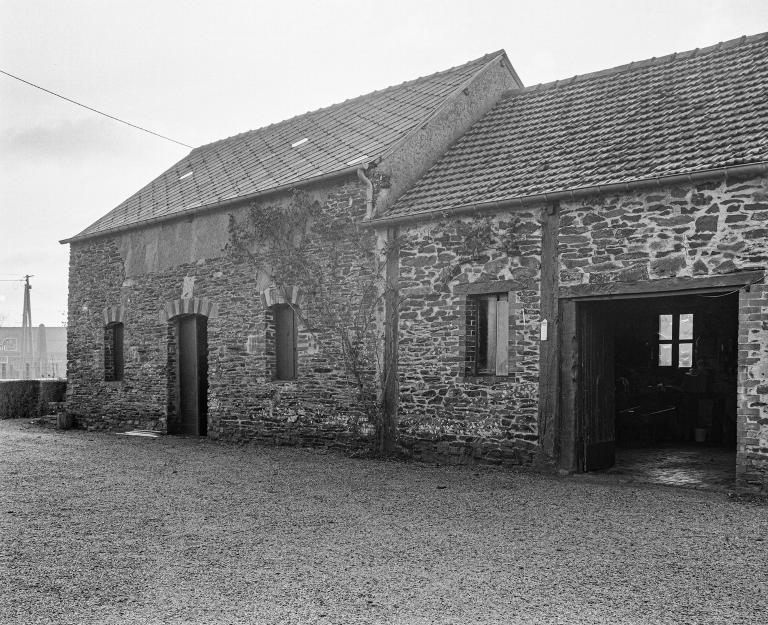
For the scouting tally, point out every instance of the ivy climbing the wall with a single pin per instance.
(337, 266)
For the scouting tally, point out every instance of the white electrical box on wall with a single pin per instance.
(544, 329)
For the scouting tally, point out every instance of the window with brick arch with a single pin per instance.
(113, 352)
(285, 326)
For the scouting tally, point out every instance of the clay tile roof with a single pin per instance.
(682, 113)
(353, 131)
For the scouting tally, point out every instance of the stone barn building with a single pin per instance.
(567, 271)
(586, 267)
(174, 327)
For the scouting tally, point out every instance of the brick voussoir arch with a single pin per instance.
(113, 314)
(282, 295)
(189, 306)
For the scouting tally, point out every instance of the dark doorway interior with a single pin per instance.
(658, 382)
(192, 333)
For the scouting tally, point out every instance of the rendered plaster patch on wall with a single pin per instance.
(188, 287)
(251, 344)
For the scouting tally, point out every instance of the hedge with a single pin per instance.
(20, 399)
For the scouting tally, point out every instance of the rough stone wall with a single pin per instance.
(97, 282)
(713, 228)
(709, 229)
(444, 413)
(244, 403)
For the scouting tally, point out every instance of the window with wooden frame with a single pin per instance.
(487, 335)
(285, 341)
(113, 352)
(676, 340)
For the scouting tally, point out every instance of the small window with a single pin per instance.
(487, 350)
(113, 352)
(11, 345)
(285, 342)
(676, 340)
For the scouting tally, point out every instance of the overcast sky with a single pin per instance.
(201, 71)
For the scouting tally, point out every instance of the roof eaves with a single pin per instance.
(521, 201)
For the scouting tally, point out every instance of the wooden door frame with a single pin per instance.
(565, 451)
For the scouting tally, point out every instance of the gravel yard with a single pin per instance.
(101, 528)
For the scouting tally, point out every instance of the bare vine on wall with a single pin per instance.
(336, 264)
(478, 236)
(275, 239)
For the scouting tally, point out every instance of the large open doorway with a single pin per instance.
(192, 376)
(656, 385)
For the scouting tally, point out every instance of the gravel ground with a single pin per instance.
(101, 528)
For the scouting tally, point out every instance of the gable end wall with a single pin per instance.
(412, 157)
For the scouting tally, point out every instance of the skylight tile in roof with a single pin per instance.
(293, 150)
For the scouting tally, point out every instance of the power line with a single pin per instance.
(117, 119)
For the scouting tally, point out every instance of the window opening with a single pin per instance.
(11, 345)
(676, 340)
(285, 342)
(488, 329)
(113, 352)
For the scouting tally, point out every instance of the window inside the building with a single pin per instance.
(113, 352)
(676, 340)
(285, 342)
(487, 348)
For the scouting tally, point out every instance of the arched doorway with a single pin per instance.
(192, 375)
(188, 365)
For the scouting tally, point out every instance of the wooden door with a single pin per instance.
(596, 392)
(193, 375)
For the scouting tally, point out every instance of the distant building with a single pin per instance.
(49, 354)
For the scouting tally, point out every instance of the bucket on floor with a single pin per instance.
(700, 434)
(63, 421)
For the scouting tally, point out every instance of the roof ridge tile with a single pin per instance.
(641, 64)
(324, 109)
